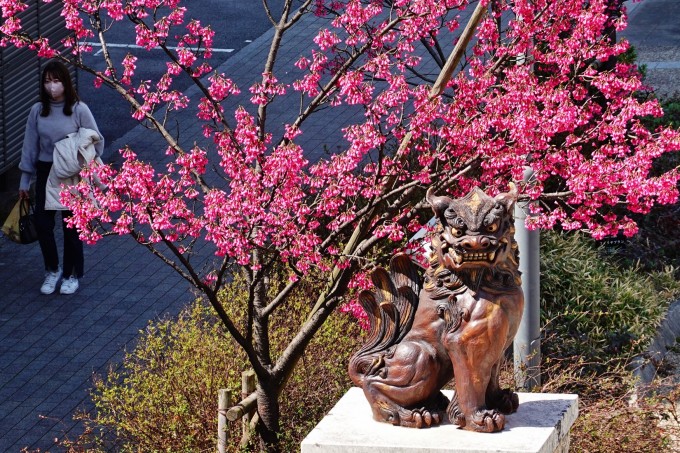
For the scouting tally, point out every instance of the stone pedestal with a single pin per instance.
(541, 425)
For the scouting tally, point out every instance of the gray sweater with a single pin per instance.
(42, 132)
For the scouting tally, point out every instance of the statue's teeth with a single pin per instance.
(475, 257)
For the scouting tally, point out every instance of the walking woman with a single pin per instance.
(58, 114)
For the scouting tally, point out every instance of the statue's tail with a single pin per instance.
(390, 307)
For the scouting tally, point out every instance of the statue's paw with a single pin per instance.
(486, 421)
(506, 401)
(420, 418)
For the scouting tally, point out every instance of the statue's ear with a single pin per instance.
(509, 198)
(439, 204)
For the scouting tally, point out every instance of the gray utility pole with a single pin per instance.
(527, 345)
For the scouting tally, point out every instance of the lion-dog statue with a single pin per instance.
(458, 322)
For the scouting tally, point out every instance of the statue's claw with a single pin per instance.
(412, 418)
(419, 418)
(487, 421)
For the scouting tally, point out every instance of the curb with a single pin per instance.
(645, 365)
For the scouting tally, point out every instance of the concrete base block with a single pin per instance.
(540, 425)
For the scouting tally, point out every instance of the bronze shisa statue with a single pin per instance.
(456, 323)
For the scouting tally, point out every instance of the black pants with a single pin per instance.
(45, 222)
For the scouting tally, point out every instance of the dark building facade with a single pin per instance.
(20, 79)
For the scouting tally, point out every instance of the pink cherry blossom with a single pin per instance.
(540, 88)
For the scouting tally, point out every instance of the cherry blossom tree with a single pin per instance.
(449, 100)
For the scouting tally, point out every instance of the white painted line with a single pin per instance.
(660, 64)
(135, 46)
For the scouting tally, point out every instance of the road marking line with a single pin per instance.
(135, 46)
(660, 64)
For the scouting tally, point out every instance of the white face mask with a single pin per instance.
(55, 88)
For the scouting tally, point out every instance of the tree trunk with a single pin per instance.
(268, 410)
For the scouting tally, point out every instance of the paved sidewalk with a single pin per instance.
(51, 345)
(654, 31)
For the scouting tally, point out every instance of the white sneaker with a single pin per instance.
(50, 283)
(69, 285)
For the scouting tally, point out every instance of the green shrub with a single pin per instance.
(593, 308)
(597, 315)
(163, 397)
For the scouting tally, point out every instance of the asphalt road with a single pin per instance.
(236, 24)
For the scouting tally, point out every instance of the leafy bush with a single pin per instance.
(593, 308)
(163, 397)
(598, 314)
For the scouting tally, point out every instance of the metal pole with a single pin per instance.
(527, 344)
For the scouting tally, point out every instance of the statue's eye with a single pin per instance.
(457, 232)
(492, 228)
(457, 226)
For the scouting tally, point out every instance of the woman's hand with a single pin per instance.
(23, 195)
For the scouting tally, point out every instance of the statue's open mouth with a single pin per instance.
(466, 257)
(460, 258)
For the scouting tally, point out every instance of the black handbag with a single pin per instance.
(27, 230)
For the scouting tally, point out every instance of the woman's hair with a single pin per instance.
(57, 70)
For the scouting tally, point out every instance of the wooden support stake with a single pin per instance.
(223, 402)
(242, 408)
(248, 385)
(458, 51)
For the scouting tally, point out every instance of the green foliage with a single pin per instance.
(593, 308)
(163, 397)
(597, 315)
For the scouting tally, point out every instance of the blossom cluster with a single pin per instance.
(541, 88)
